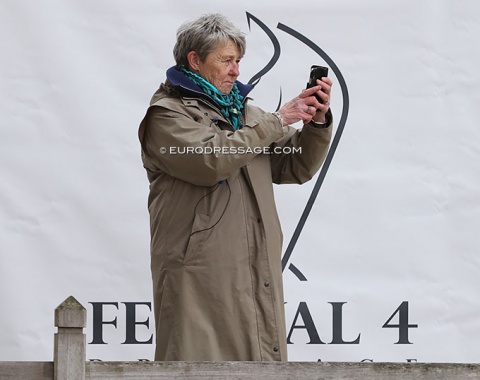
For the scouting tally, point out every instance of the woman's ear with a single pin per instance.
(193, 60)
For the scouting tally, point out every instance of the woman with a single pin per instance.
(211, 159)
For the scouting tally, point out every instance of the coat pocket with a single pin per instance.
(200, 232)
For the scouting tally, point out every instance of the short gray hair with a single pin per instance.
(203, 35)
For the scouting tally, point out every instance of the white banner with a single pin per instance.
(386, 267)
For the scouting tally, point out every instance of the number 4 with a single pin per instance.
(402, 325)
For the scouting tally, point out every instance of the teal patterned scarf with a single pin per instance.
(230, 104)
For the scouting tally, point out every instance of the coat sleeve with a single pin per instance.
(305, 153)
(216, 154)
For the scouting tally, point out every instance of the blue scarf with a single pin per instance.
(230, 104)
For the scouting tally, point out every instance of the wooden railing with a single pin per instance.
(70, 363)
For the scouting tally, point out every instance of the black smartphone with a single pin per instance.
(317, 72)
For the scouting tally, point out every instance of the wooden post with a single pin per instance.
(70, 343)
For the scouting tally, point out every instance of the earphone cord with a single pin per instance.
(223, 212)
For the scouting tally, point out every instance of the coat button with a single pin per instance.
(259, 220)
(275, 348)
(266, 284)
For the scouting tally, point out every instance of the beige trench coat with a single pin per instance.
(216, 240)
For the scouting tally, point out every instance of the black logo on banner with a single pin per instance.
(341, 125)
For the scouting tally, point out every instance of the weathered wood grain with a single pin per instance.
(70, 342)
(26, 370)
(279, 371)
(248, 371)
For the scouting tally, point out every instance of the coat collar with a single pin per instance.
(180, 80)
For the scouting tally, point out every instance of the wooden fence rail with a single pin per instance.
(70, 364)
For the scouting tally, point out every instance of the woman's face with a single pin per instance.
(221, 67)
